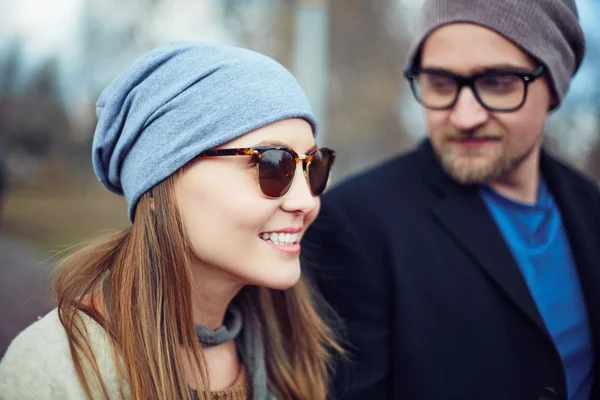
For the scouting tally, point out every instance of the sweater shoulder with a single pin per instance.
(38, 362)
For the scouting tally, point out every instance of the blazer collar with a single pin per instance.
(463, 214)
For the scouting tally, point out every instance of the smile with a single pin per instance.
(280, 238)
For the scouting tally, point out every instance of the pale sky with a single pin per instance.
(45, 26)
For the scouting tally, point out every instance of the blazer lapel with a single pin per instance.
(581, 228)
(464, 215)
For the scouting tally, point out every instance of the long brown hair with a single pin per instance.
(145, 277)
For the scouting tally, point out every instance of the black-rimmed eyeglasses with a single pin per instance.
(502, 91)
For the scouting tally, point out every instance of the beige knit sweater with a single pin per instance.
(38, 365)
(240, 390)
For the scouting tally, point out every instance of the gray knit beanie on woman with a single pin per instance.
(548, 30)
(181, 99)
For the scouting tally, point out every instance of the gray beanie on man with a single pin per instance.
(548, 30)
(181, 99)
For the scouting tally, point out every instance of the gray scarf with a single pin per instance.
(249, 348)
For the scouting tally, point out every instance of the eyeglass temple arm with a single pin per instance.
(227, 152)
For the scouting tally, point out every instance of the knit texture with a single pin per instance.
(548, 30)
(240, 390)
(179, 100)
(38, 363)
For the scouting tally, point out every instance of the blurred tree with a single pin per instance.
(9, 69)
(593, 166)
(365, 84)
(3, 183)
(34, 124)
(593, 54)
(593, 161)
(263, 25)
(577, 123)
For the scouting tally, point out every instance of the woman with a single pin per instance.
(213, 148)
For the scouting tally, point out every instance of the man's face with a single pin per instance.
(476, 145)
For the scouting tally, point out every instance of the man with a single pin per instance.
(470, 268)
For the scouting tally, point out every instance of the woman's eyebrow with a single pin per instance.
(282, 144)
(272, 143)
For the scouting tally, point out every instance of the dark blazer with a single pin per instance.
(434, 304)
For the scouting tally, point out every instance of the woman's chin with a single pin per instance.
(281, 279)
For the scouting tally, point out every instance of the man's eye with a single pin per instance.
(498, 82)
(440, 82)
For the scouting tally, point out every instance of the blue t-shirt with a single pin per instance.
(537, 238)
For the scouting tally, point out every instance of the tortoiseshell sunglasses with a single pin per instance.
(277, 167)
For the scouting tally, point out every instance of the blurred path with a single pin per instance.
(24, 291)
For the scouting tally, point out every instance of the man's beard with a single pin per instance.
(478, 165)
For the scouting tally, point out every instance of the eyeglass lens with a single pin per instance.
(495, 91)
(277, 167)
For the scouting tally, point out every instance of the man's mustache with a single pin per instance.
(482, 134)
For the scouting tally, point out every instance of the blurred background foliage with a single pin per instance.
(55, 58)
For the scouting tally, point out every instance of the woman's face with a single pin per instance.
(227, 218)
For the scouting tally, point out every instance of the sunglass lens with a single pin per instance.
(275, 172)
(318, 170)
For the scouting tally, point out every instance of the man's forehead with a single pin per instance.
(471, 48)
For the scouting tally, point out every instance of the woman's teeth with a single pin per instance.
(279, 238)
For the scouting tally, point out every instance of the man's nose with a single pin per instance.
(468, 114)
